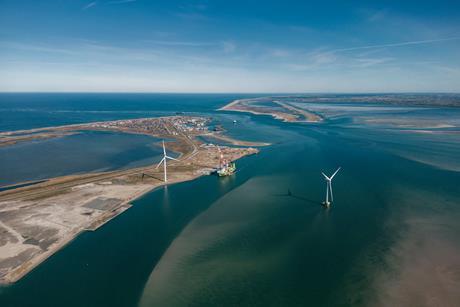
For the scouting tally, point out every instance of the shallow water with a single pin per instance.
(79, 153)
(244, 240)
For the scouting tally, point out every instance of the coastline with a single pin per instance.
(224, 138)
(291, 113)
(61, 208)
(30, 265)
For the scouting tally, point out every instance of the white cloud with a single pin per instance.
(181, 43)
(194, 7)
(280, 53)
(378, 16)
(121, 1)
(298, 67)
(407, 43)
(228, 46)
(321, 58)
(89, 5)
(373, 15)
(368, 62)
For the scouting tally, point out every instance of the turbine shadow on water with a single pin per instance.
(302, 198)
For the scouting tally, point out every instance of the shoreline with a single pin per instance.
(229, 140)
(40, 219)
(29, 266)
(291, 115)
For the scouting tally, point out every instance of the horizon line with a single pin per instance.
(234, 93)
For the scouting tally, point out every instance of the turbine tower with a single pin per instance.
(221, 157)
(165, 158)
(327, 203)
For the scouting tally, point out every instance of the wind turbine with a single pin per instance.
(329, 188)
(165, 158)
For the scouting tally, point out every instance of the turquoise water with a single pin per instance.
(390, 238)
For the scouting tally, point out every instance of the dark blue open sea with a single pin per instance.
(260, 237)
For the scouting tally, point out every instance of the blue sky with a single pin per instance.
(229, 46)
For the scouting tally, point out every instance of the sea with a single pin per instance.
(261, 236)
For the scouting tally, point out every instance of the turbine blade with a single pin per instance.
(335, 172)
(171, 158)
(327, 178)
(159, 163)
(164, 149)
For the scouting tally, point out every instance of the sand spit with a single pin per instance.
(226, 139)
(288, 112)
(37, 220)
(7, 140)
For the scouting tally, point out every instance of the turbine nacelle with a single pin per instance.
(330, 178)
